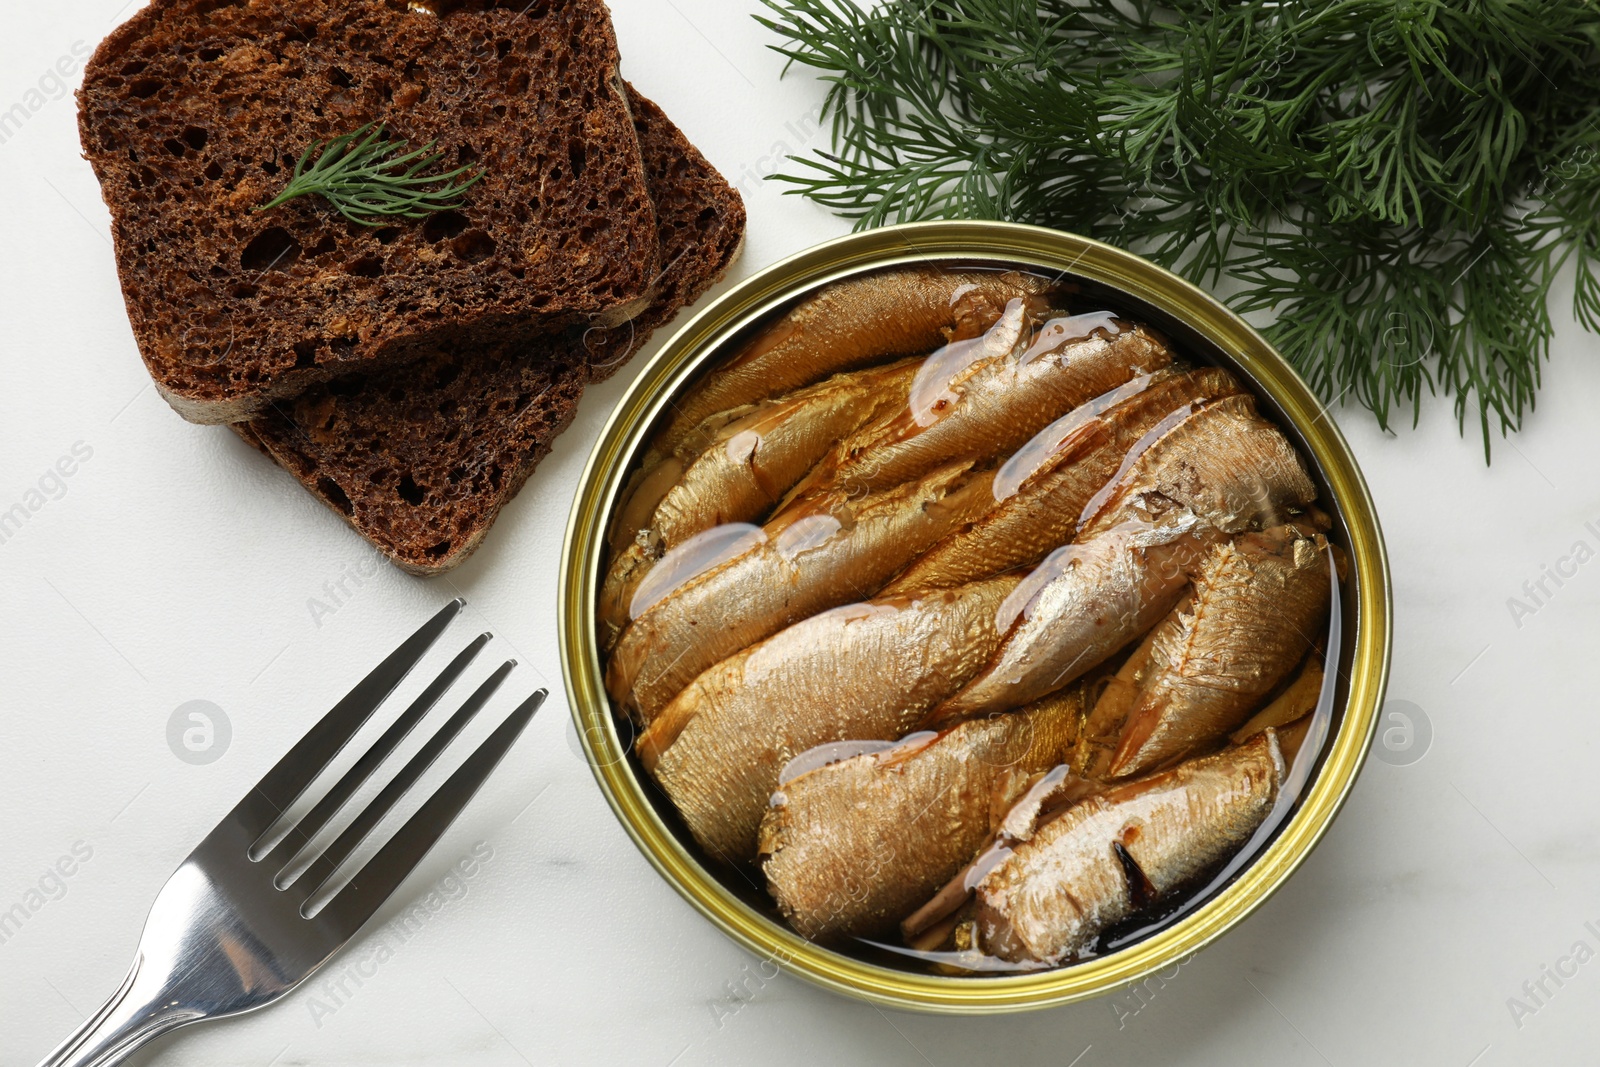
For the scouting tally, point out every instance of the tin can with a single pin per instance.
(1198, 324)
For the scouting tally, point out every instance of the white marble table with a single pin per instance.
(175, 565)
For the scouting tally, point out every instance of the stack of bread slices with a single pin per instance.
(409, 374)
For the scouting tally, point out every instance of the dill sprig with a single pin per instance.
(368, 177)
(1395, 184)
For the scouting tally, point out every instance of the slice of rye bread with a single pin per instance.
(420, 459)
(194, 112)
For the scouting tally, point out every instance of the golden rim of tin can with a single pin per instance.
(688, 351)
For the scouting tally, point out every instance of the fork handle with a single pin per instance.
(135, 1014)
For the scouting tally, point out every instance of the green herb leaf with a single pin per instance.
(1395, 182)
(368, 178)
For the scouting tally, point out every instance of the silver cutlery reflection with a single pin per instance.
(236, 927)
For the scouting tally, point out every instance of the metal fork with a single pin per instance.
(229, 932)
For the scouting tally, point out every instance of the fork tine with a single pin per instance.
(314, 820)
(282, 785)
(325, 865)
(382, 875)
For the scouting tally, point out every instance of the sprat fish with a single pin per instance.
(1044, 486)
(853, 323)
(1220, 461)
(718, 747)
(987, 403)
(1258, 603)
(851, 847)
(743, 468)
(1077, 608)
(839, 551)
(1119, 852)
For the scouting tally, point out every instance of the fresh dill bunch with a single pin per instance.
(366, 177)
(1395, 182)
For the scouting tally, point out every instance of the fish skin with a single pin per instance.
(850, 324)
(718, 748)
(1224, 462)
(998, 403)
(658, 472)
(1053, 897)
(1258, 601)
(634, 548)
(639, 497)
(1095, 597)
(776, 583)
(1298, 700)
(1106, 722)
(745, 467)
(1043, 512)
(628, 568)
(856, 845)
(753, 461)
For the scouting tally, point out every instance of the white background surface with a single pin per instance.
(178, 565)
